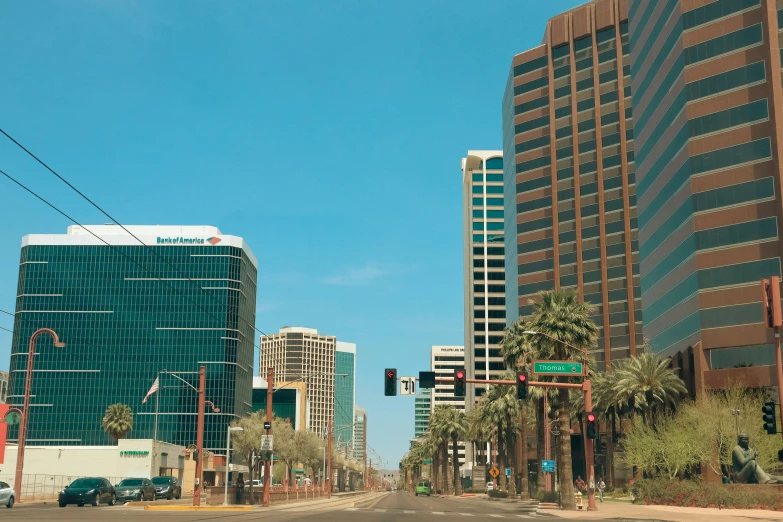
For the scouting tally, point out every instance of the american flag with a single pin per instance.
(153, 389)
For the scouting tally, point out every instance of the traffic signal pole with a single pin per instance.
(270, 383)
(774, 320)
(202, 384)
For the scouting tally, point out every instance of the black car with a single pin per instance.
(167, 487)
(88, 491)
(135, 489)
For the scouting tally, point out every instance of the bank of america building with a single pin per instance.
(126, 312)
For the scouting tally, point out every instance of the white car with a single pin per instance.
(490, 486)
(7, 495)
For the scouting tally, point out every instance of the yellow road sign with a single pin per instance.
(494, 472)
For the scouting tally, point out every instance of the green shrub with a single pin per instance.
(543, 496)
(695, 493)
(495, 493)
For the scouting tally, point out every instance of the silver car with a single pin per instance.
(7, 495)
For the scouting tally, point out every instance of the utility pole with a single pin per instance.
(329, 462)
(270, 378)
(202, 384)
(774, 319)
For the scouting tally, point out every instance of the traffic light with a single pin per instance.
(459, 382)
(521, 386)
(770, 422)
(592, 426)
(772, 311)
(390, 377)
(780, 455)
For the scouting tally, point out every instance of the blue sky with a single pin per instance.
(328, 134)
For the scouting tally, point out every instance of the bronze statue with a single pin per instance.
(746, 470)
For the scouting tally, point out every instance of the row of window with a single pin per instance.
(491, 238)
(723, 44)
(491, 251)
(726, 81)
(491, 189)
(491, 276)
(653, 37)
(491, 178)
(491, 202)
(491, 225)
(714, 10)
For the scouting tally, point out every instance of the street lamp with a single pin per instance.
(26, 413)
(228, 459)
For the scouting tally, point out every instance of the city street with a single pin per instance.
(393, 506)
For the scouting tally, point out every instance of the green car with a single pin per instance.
(423, 488)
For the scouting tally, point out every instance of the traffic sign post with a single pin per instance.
(267, 443)
(558, 368)
(548, 466)
(494, 472)
(407, 385)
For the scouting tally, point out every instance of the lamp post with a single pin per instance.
(26, 413)
(228, 459)
(588, 443)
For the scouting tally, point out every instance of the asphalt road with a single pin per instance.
(391, 507)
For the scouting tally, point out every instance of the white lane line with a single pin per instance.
(438, 513)
(352, 509)
(380, 510)
(466, 514)
(496, 516)
(408, 511)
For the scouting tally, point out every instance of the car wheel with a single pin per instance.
(96, 500)
(113, 500)
(10, 503)
(62, 504)
(170, 496)
(80, 504)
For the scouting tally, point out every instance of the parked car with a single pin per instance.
(490, 486)
(167, 487)
(7, 495)
(135, 489)
(423, 488)
(88, 491)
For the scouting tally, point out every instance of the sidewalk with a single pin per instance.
(625, 510)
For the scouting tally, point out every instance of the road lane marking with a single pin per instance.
(352, 509)
(496, 516)
(408, 511)
(438, 513)
(380, 510)
(466, 514)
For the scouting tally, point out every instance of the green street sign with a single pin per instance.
(557, 368)
(427, 461)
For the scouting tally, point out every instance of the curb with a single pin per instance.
(198, 508)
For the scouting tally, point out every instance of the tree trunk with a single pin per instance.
(502, 482)
(249, 472)
(455, 458)
(610, 450)
(522, 443)
(566, 474)
(512, 461)
(540, 427)
(444, 452)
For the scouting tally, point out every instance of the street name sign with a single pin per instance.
(558, 368)
(548, 466)
(494, 472)
(267, 442)
(427, 461)
(407, 385)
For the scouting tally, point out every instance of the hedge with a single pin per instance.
(696, 493)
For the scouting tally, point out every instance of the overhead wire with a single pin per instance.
(153, 251)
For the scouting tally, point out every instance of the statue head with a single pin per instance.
(743, 440)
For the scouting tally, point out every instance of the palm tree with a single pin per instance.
(646, 381)
(477, 432)
(450, 423)
(566, 332)
(117, 421)
(503, 410)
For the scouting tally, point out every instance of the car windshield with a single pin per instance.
(132, 482)
(86, 483)
(423, 484)
(161, 480)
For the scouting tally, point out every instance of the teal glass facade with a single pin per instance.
(706, 168)
(344, 396)
(283, 404)
(423, 408)
(122, 325)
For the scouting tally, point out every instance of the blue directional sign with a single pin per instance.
(548, 466)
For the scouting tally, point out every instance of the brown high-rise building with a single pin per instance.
(707, 97)
(569, 173)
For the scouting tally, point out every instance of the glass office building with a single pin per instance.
(423, 407)
(706, 81)
(569, 174)
(344, 393)
(126, 313)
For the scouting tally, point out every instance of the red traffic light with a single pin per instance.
(590, 417)
(390, 375)
(522, 377)
(460, 375)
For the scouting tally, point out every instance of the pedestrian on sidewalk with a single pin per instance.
(601, 487)
(579, 484)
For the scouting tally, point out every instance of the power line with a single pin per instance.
(6, 329)
(121, 252)
(47, 167)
